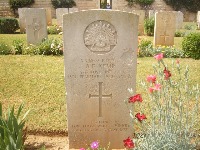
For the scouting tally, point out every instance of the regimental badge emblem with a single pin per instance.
(100, 37)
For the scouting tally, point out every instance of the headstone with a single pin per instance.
(164, 30)
(141, 14)
(100, 48)
(22, 21)
(152, 13)
(179, 19)
(36, 25)
(49, 17)
(198, 20)
(61, 11)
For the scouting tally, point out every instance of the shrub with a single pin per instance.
(144, 48)
(8, 25)
(189, 27)
(142, 3)
(63, 3)
(179, 34)
(5, 49)
(11, 130)
(15, 4)
(18, 46)
(47, 47)
(191, 45)
(54, 29)
(149, 26)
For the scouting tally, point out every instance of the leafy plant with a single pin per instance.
(8, 25)
(54, 29)
(142, 3)
(63, 3)
(190, 5)
(144, 48)
(173, 110)
(18, 46)
(191, 45)
(15, 4)
(149, 26)
(5, 49)
(179, 34)
(190, 27)
(11, 129)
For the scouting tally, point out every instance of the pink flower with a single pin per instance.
(159, 56)
(82, 148)
(151, 78)
(94, 145)
(157, 87)
(151, 90)
(135, 98)
(177, 61)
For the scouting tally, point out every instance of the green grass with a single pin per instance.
(38, 81)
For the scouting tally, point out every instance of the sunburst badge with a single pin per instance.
(100, 37)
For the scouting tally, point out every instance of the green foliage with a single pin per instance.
(179, 34)
(8, 25)
(5, 49)
(11, 129)
(47, 47)
(190, 27)
(142, 3)
(190, 5)
(144, 47)
(149, 26)
(18, 46)
(191, 45)
(15, 4)
(54, 29)
(63, 3)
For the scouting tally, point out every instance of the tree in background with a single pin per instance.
(63, 3)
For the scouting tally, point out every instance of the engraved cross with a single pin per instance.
(164, 36)
(36, 25)
(100, 96)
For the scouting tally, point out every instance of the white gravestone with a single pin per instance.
(49, 16)
(22, 21)
(36, 25)
(179, 20)
(164, 29)
(141, 14)
(100, 65)
(61, 11)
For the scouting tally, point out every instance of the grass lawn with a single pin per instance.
(38, 81)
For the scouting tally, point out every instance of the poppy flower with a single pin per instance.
(94, 145)
(135, 98)
(140, 117)
(128, 143)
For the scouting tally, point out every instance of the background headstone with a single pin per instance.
(61, 11)
(36, 25)
(179, 20)
(141, 14)
(152, 13)
(164, 30)
(198, 20)
(22, 21)
(100, 65)
(49, 16)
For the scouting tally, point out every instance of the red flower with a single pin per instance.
(159, 56)
(128, 143)
(135, 98)
(167, 74)
(140, 117)
(151, 78)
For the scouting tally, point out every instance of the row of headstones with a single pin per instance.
(34, 21)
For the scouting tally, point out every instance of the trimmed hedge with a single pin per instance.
(8, 25)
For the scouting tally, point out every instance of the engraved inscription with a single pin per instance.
(100, 96)
(36, 26)
(100, 37)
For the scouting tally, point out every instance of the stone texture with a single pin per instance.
(60, 12)
(165, 26)
(141, 14)
(49, 17)
(198, 20)
(22, 21)
(179, 19)
(100, 55)
(36, 25)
